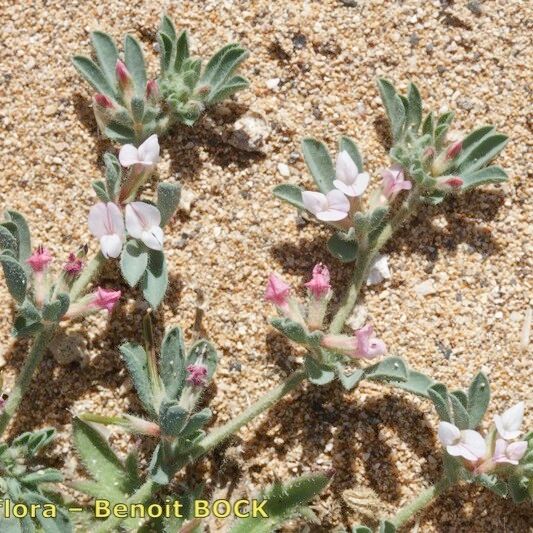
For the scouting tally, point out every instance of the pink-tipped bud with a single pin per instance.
(123, 75)
(454, 149)
(103, 101)
(362, 346)
(40, 259)
(277, 291)
(319, 285)
(104, 299)
(449, 183)
(152, 90)
(197, 375)
(73, 266)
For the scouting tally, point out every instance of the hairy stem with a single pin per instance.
(88, 273)
(419, 503)
(215, 437)
(364, 261)
(24, 378)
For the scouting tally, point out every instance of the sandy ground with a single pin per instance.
(476, 250)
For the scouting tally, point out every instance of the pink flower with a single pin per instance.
(467, 443)
(363, 345)
(104, 299)
(197, 375)
(449, 183)
(74, 265)
(509, 452)
(348, 179)
(319, 285)
(330, 207)
(40, 259)
(277, 291)
(394, 181)
(103, 101)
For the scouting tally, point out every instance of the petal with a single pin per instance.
(474, 442)
(459, 450)
(111, 245)
(314, 202)
(128, 155)
(337, 201)
(448, 433)
(149, 150)
(516, 450)
(499, 449)
(98, 219)
(140, 217)
(512, 418)
(153, 238)
(115, 222)
(348, 190)
(331, 215)
(346, 170)
(361, 183)
(133, 223)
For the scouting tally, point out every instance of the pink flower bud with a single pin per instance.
(40, 259)
(363, 345)
(123, 75)
(104, 299)
(394, 182)
(152, 90)
(449, 183)
(103, 101)
(454, 149)
(277, 291)
(319, 285)
(73, 266)
(197, 375)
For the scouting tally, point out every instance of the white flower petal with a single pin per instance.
(448, 433)
(128, 155)
(141, 217)
(361, 183)
(474, 442)
(348, 190)
(153, 238)
(509, 422)
(98, 219)
(346, 170)
(337, 201)
(331, 215)
(459, 450)
(134, 224)
(149, 150)
(115, 219)
(516, 450)
(111, 245)
(314, 202)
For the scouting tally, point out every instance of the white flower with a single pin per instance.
(505, 452)
(466, 443)
(105, 223)
(146, 155)
(330, 207)
(379, 270)
(508, 423)
(348, 179)
(142, 222)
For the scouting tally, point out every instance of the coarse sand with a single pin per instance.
(312, 67)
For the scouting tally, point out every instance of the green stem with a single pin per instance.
(420, 502)
(365, 258)
(215, 437)
(88, 273)
(24, 378)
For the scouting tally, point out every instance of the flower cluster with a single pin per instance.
(483, 455)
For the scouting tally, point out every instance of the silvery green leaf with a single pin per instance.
(416, 382)
(478, 399)
(155, 280)
(318, 374)
(471, 141)
(16, 280)
(113, 175)
(136, 361)
(27, 321)
(134, 59)
(342, 249)
(165, 52)
(197, 421)
(60, 523)
(100, 190)
(93, 74)
(182, 50)
(172, 362)
(388, 369)
(7, 240)
(23, 237)
(319, 163)
(428, 126)
(376, 222)
(518, 488)
(439, 396)
(167, 26)
(461, 396)
(493, 483)
(441, 128)
(168, 198)
(172, 418)
(483, 153)
(294, 331)
(386, 527)
(222, 66)
(133, 261)
(414, 113)
(119, 133)
(394, 108)
(483, 176)
(137, 109)
(204, 352)
(33, 441)
(45, 475)
(54, 311)
(227, 89)
(348, 145)
(291, 194)
(349, 381)
(106, 53)
(460, 414)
